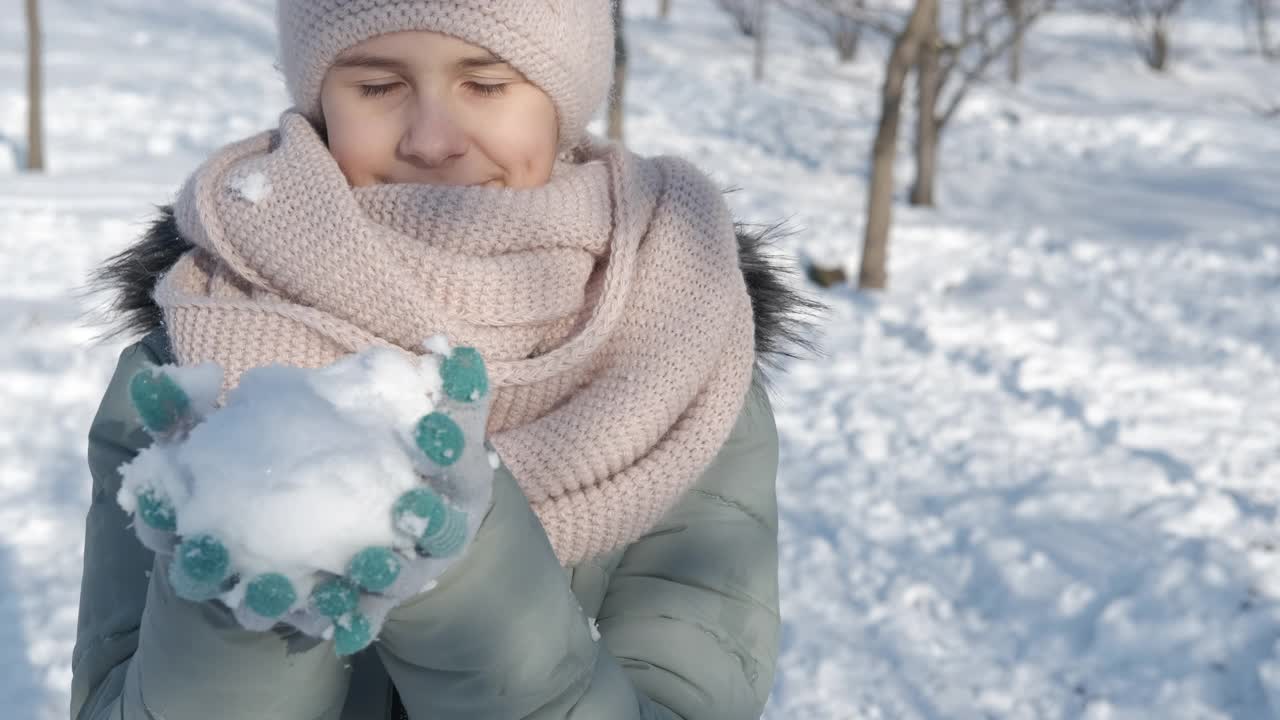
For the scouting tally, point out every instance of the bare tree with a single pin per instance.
(761, 30)
(841, 21)
(35, 90)
(1258, 17)
(1152, 24)
(749, 17)
(846, 35)
(951, 53)
(952, 63)
(1016, 10)
(873, 275)
(617, 103)
(743, 13)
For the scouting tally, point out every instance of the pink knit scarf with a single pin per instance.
(608, 304)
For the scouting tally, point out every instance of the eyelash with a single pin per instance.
(376, 90)
(480, 88)
(487, 90)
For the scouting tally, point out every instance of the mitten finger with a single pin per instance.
(156, 511)
(437, 529)
(171, 400)
(374, 569)
(440, 439)
(162, 404)
(270, 595)
(338, 599)
(352, 633)
(464, 376)
(200, 569)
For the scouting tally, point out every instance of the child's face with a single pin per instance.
(422, 107)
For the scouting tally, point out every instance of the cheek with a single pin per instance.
(357, 159)
(363, 147)
(524, 144)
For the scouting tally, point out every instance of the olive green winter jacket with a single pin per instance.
(687, 615)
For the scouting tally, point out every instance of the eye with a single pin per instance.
(487, 90)
(377, 90)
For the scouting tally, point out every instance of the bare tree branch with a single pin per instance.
(1152, 25)
(990, 53)
(743, 13)
(883, 21)
(841, 23)
(948, 67)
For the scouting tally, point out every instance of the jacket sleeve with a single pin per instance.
(689, 626)
(143, 653)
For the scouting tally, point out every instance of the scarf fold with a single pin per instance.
(608, 304)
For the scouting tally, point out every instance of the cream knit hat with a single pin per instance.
(565, 47)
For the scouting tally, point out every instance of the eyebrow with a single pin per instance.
(479, 61)
(377, 62)
(369, 62)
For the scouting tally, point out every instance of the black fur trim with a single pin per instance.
(783, 316)
(129, 277)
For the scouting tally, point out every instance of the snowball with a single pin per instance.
(297, 471)
(439, 345)
(202, 383)
(252, 186)
(304, 476)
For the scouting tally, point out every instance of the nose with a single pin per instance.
(432, 136)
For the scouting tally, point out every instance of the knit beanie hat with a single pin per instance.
(565, 47)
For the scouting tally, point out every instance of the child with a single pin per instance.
(435, 177)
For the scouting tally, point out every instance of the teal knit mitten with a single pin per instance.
(317, 498)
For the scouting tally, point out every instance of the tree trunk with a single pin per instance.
(1017, 17)
(664, 9)
(928, 78)
(762, 8)
(1159, 57)
(872, 274)
(1262, 19)
(849, 34)
(617, 105)
(848, 37)
(35, 90)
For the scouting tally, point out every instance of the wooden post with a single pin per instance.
(35, 90)
(617, 104)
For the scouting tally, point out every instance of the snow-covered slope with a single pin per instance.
(1038, 478)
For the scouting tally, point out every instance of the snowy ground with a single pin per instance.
(1039, 478)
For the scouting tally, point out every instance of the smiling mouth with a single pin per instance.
(494, 183)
